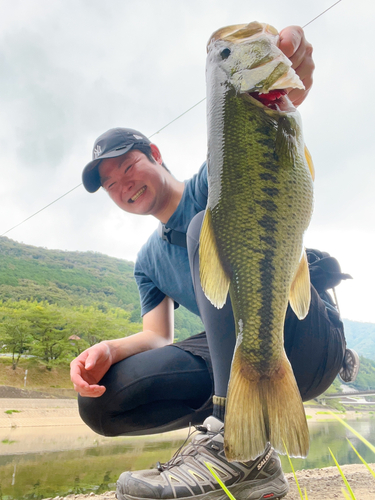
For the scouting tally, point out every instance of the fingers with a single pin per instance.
(91, 359)
(79, 367)
(86, 388)
(89, 391)
(88, 369)
(295, 46)
(290, 40)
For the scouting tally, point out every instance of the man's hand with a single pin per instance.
(90, 367)
(295, 46)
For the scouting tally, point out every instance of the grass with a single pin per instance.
(55, 381)
(9, 412)
(295, 476)
(328, 412)
(343, 477)
(210, 468)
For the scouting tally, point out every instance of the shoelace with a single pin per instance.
(177, 455)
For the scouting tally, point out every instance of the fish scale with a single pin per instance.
(259, 206)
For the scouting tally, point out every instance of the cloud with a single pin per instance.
(71, 69)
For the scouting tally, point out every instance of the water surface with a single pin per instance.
(42, 462)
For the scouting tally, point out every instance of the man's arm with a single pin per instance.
(92, 364)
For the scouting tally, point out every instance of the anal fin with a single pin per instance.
(214, 280)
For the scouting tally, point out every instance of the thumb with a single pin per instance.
(91, 360)
(290, 40)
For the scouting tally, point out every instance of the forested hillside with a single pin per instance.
(65, 278)
(361, 337)
(48, 296)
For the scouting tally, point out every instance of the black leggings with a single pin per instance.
(151, 392)
(168, 388)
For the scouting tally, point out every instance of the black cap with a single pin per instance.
(114, 142)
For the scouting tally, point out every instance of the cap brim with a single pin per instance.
(90, 174)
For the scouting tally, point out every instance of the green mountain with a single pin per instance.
(361, 337)
(76, 279)
(68, 284)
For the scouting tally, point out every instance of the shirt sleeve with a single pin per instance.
(150, 295)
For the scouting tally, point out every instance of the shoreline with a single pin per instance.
(40, 417)
(45, 412)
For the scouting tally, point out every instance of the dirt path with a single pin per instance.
(326, 484)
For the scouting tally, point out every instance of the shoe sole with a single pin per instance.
(263, 489)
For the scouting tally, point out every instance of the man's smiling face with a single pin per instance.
(136, 184)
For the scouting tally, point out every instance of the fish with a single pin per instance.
(260, 202)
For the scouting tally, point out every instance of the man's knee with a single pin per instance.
(315, 347)
(93, 412)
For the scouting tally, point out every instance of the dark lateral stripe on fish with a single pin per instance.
(270, 240)
(271, 165)
(268, 142)
(266, 176)
(269, 205)
(268, 223)
(262, 127)
(265, 312)
(271, 191)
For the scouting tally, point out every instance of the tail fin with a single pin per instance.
(264, 409)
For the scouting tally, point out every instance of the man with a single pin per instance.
(144, 383)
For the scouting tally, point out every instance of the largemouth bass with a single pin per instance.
(260, 203)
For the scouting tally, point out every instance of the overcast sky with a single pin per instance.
(71, 69)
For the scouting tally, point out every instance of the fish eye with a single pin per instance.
(225, 53)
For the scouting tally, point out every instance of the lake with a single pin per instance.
(42, 462)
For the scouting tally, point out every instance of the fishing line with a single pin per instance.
(321, 14)
(184, 113)
(165, 126)
(41, 210)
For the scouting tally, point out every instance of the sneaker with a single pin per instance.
(186, 476)
(350, 366)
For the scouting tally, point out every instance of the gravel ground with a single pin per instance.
(320, 484)
(15, 392)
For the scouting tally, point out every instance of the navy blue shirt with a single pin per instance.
(163, 269)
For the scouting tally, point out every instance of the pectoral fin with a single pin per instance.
(310, 163)
(300, 295)
(214, 280)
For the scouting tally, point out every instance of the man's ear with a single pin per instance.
(156, 154)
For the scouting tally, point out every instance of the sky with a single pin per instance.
(72, 69)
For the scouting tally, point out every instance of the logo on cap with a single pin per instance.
(137, 136)
(97, 151)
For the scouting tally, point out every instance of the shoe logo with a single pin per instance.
(97, 151)
(263, 462)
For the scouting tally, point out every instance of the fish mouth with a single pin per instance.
(276, 100)
(137, 195)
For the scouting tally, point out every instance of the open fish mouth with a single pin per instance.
(275, 99)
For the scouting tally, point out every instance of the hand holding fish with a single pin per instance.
(295, 46)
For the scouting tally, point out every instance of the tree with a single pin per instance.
(15, 335)
(51, 338)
